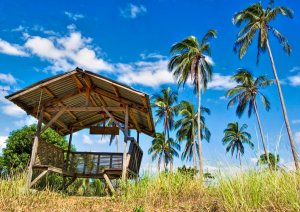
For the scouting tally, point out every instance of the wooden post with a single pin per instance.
(108, 182)
(125, 143)
(138, 137)
(68, 157)
(34, 148)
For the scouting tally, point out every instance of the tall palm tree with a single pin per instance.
(245, 95)
(163, 149)
(235, 137)
(165, 110)
(258, 20)
(273, 160)
(187, 129)
(191, 61)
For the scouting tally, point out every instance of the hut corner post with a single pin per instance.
(34, 148)
(68, 158)
(124, 171)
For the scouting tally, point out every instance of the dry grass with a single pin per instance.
(254, 191)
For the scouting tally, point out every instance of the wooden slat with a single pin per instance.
(54, 118)
(87, 81)
(111, 109)
(104, 130)
(113, 119)
(76, 81)
(136, 124)
(39, 177)
(93, 101)
(87, 97)
(85, 119)
(98, 163)
(101, 100)
(48, 92)
(108, 182)
(116, 91)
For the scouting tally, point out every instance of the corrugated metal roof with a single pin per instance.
(34, 96)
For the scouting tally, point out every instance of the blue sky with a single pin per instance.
(129, 41)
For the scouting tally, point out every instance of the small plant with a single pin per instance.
(139, 208)
(85, 203)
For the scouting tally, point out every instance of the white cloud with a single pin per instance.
(71, 27)
(75, 16)
(3, 142)
(13, 110)
(296, 121)
(131, 10)
(67, 52)
(75, 133)
(87, 139)
(150, 74)
(50, 32)
(152, 55)
(29, 120)
(104, 139)
(220, 82)
(294, 80)
(297, 137)
(6, 129)
(7, 78)
(295, 69)
(223, 98)
(254, 160)
(25, 36)
(11, 49)
(20, 28)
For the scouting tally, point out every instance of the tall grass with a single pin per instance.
(263, 190)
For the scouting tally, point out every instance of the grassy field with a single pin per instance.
(253, 191)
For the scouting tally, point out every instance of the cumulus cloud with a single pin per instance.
(67, 52)
(11, 49)
(7, 78)
(152, 55)
(74, 16)
(297, 137)
(87, 139)
(131, 10)
(223, 98)
(297, 121)
(25, 36)
(254, 160)
(220, 82)
(13, 110)
(29, 120)
(3, 142)
(295, 69)
(146, 73)
(20, 28)
(294, 80)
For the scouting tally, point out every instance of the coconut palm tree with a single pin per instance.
(258, 21)
(163, 149)
(192, 62)
(245, 95)
(273, 160)
(165, 109)
(187, 129)
(235, 137)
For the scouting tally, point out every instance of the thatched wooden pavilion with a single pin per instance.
(77, 100)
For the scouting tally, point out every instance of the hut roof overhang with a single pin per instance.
(83, 96)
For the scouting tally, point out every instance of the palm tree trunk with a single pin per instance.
(170, 155)
(194, 153)
(165, 162)
(261, 132)
(284, 110)
(159, 159)
(241, 162)
(199, 126)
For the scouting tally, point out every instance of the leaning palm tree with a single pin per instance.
(160, 148)
(191, 61)
(187, 129)
(235, 137)
(165, 109)
(245, 95)
(258, 20)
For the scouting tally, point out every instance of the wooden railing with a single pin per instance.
(49, 154)
(89, 162)
(94, 162)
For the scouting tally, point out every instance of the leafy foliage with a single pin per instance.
(274, 160)
(187, 171)
(18, 147)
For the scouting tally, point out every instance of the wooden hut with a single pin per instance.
(77, 100)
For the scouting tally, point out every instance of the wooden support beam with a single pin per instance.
(53, 109)
(104, 130)
(70, 182)
(148, 115)
(60, 103)
(116, 91)
(87, 97)
(68, 157)
(34, 148)
(121, 100)
(56, 101)
(93, 101)
(113, 119)
(87, 81)
(85, 119)
(76, 81)
(108, 183)
(125, 143)
(39, 177)
(58, 122)
(63, 109)
(101, 100)
(136, 124)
